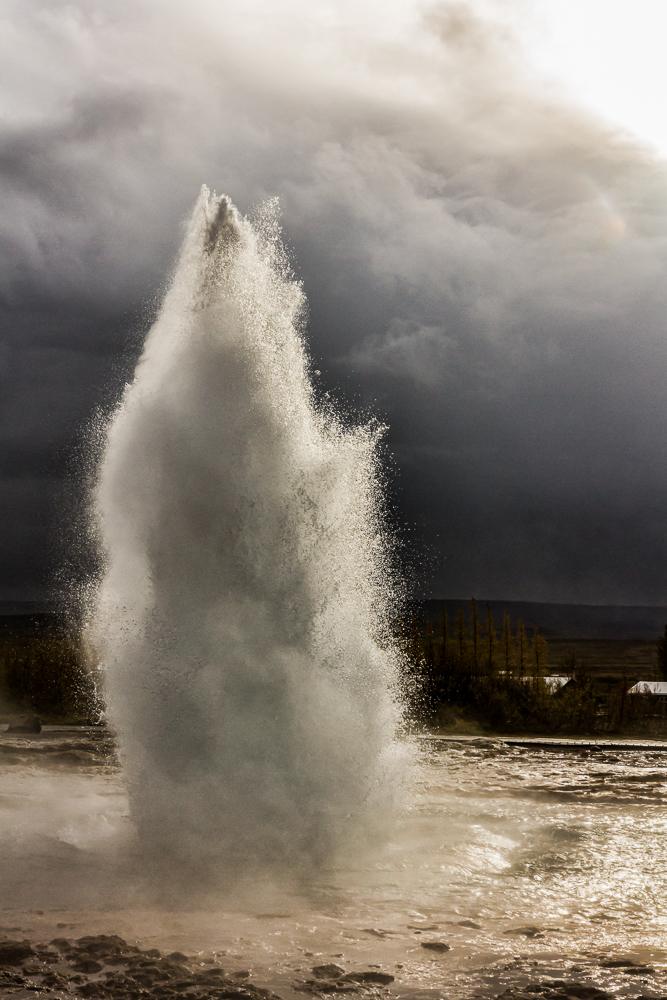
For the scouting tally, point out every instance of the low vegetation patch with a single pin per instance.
(46, 674)
(501, 681)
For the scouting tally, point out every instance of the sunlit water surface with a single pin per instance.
(558, 856)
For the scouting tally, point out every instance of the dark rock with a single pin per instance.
(317, 987)
(583, 992)
(528, 931)
(173, 968)
(232, 992)
(94, 989)
(177, 956)
(640, 970)
(10, 979)
(24, 724)
(328, 971)
(617, 963)
(469, 923)
(87, 965)
(62, 944)
(210, 975)
(151, 953)
(15, 952)
(32, 970)
(49, 957)
(435, 945)
(555, 990)
(241, 974)
(103, 944)
(54, 980)
(149, 975)
(161, 977)
(379, 978)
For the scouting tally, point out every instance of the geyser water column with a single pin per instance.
(241, 619)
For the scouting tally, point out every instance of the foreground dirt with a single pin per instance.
(107, 966)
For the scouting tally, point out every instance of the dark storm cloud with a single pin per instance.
(484, 263)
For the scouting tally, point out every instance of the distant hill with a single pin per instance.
(25, 619)
(564, 621)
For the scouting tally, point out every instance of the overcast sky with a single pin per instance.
(485, 264)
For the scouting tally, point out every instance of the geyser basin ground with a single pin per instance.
(563, 850)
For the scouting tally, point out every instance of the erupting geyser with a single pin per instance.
(241, 617)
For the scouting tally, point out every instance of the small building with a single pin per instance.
(656, 688)
(556, 682)
(552, 684)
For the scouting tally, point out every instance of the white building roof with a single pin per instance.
(649, 687)
(553, 683)
(556, 681)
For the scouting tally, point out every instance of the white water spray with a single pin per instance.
(241, 617)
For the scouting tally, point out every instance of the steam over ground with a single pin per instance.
(484, 263)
